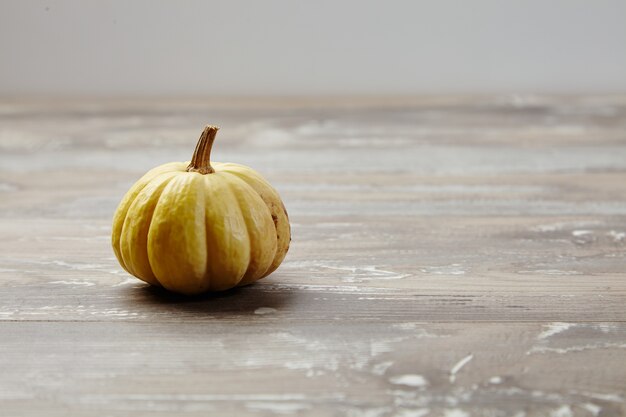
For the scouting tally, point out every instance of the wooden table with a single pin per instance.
(451, 256)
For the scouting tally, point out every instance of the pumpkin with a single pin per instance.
(199, 226)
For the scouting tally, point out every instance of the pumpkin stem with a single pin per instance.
(200, 162)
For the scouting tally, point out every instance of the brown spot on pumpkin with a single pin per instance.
(275, 219)
(284, 210)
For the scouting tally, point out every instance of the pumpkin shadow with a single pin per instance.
(252, 300)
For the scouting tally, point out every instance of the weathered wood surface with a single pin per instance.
(451, 257)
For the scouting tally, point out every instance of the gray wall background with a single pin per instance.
(288, 47)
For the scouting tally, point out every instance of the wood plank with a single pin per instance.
(451, 256)
(260, 364)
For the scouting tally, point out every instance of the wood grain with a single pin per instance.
(451, 256)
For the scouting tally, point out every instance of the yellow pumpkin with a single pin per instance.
(198, 226)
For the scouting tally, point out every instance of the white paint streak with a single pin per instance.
(460, 364)
(410, 380)
(308, 366)
(455, 412)
(327, 288)
(545, 349)
(419, 333)
(75, 282)
(381, 368)
(127, 281)
(618, 237)
(386, 298)
(113, 312)
(452, 269)
(554, 328)
(563, 411)
(578, 233)
(380, 346)
(550, 272)
(510, 391)
(495, 380)
(548, 227)
(358, 274)
(278, 407)
(405, 326)
(74, 266)
(553, 227)
(605, 327)
(265, 310)
(369, 412)
(614, 398)
(592, 408)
